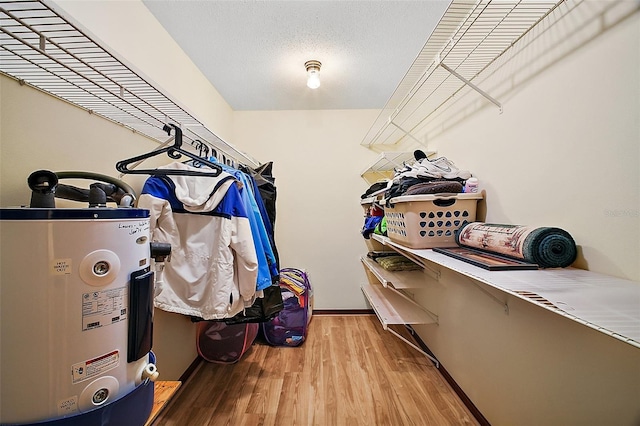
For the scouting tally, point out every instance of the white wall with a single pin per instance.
(530, 366)
(317, 164)
(565, 152)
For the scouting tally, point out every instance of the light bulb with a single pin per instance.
(313, 82)
(313, 71)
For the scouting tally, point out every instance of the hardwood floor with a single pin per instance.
(348, 372)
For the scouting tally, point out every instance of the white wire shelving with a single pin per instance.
(387, 161)
(43, 49)
(607, 304)
(471, 35)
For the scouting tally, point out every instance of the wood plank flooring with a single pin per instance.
(162, 394)
(348, 372)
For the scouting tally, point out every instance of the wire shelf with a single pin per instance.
(388, 161)
(41, 48)
(604, 303)
(470, 36)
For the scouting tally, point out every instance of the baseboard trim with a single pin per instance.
(191, 369)
(456, 388)
(343, 312)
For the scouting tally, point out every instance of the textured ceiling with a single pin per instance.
(253, 52)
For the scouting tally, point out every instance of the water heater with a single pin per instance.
(76, 310)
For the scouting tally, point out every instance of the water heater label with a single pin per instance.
(102, 308)
(135, 228)
(68, 406)
(94, 367)
(60, 267)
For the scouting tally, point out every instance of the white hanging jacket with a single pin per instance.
(213, 268)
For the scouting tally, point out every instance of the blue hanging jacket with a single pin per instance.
(264, 251)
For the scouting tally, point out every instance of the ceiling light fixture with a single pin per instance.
(313, 72)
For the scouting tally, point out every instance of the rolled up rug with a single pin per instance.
(548, 247)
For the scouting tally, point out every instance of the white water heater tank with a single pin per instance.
(75, 328)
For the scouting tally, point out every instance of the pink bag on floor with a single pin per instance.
(224, 344)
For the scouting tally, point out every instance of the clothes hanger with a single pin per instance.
(174, 151)
(203, 152)
(203, 148)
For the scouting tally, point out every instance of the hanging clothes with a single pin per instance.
(275, 266)
(213, 268)
(263, 176)
(266, 193)
(269, 300)
(266, 259)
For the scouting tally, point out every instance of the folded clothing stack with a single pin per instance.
(397, 263)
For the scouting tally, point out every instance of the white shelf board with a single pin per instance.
(398, 279)
(393, 309)
(608, 304)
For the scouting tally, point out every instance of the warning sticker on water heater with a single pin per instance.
(60, 267)
(102, 308)
(94, 367)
